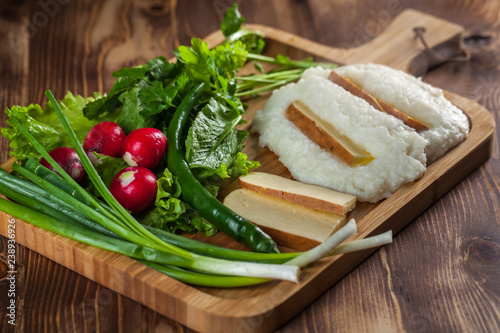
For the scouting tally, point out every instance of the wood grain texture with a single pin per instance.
(441, 273)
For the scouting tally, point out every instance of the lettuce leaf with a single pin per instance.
(171, 213)
(107, 167)
(241, 166)
(44, 125)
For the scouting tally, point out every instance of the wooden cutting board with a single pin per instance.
(264, 308)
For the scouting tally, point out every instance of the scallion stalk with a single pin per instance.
(161, 261)
(205, 280)
(363, 244)
(192, 261)
(196, 262)
(328, 245)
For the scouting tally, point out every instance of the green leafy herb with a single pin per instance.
(241, 166)
(156, 98)
(254, 42)
(141, 94)
(213, 66)
(231, 28)
(232, 21)
(213, 139)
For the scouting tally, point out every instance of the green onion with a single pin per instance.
(363, 244)
(265, 88)
(200, 247)
(158, 260)
(204, 279)
(89, 237)
(110, 221)
(324, 248)
(211, 265)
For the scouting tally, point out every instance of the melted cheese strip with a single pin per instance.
(326, 135)
(377, 103)
(447, 124)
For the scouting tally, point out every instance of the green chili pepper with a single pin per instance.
(198, 197)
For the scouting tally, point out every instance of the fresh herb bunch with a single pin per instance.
(285, 71)
(149, 94)
(196, 102)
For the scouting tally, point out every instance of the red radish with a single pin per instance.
(104, 138)
(134, 188)
(68, 159)
(144, 147)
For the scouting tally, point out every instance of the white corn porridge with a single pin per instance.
(398, 150)
(448, 125)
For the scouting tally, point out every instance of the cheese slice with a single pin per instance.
(310, 196)
(375, 102)
(288, 223)
(326, 135)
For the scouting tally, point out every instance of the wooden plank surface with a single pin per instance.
(365, 299)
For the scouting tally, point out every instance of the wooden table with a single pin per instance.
(442, 273)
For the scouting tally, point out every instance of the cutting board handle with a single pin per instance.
(397, 46)
(400, 46)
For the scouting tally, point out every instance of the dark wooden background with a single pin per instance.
(442, 273)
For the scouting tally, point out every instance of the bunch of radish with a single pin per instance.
(134, 187)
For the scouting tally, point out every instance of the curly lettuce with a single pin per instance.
(43, 123)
